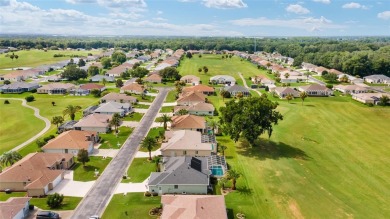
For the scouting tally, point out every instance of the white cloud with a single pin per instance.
(80, 1)
(159, 19)
(123, 4)
(384, 15)
(224, 4)
(159, 13)
(323, 1)
(354, 5)
(309, 23)
(297, 9)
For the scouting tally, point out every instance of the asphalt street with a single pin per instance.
(96, 200)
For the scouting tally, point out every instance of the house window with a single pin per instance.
(196, 152)
(176, 186)
(184, 152)
(159, 188)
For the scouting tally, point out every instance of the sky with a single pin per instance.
(250, 18)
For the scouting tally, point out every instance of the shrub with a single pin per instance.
(33, 91)
(48, 138)
(30, 98)
(55, 200)
(40, 142)
(370, 104)
(6, 102)
(147, 194)
(330, 86)
(154, 194)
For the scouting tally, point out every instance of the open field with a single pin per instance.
(18, 124)
(131, 205)
(34, 58)
(331, 151)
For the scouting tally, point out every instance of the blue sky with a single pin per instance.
(197, 17)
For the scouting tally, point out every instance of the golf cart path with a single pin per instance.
(243, 80)
(36, 114)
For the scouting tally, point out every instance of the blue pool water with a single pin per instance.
(217, 171)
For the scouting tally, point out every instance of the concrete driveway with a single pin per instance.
(146, 154)
(63, 214)
(69, 187)
(105, 152)
(140, 110)
(131, 187)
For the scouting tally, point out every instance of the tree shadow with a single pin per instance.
(230, 213)
(244, 190)
(265, 149)
(308, 105)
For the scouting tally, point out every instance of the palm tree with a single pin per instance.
(223, 93)
(182, 112)
(104, 81)
(9, 158)
(213, 124)
(303, 96)
(205, 69)
(156, 160)
(286, 75)
(307, 74)
(165, 119)
(71, 111)
(383, 100)
(222, 148)
(222, 182)
(233, 175)
(199, 70)
(116, 121)
(289, 97)
(148, 143)
(57, 120)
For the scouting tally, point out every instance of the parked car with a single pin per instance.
(47, 214)
(94, 217)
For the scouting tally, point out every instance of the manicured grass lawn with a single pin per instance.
(166, 109)
(5, 197)
(69, 203)
(139, 170)
(87, 173)
(18, 124)
(141, 106)
(154, 132)
(323, 152)
(33, 58)
(33, 147)
(171, 97)
(133, 117)
(110, 140)
(146, 98)
(131, 205)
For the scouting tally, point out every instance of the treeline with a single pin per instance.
(356, 56)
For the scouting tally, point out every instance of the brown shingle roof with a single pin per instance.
(192, 96)
(72, 139)
(118, 97)
(95, 120)
(188, 121)
(12, 206)
(199, 88)
(133, 87)
(91, 86)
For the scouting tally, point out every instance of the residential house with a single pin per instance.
(119, 70)
(265, 63)
(188, 143)
(369, 98)
(191, 98)
(86, 89)
(181, 175)
(200, 88)
(351, 89)
(19, 87)
(154, 78)
(189, 122)
(133, 88)
(193, 206)
(162, 66)
(282, 92)
(335, 71)
(96, 122)
(56, 88)
(144, 58)
(292, 78)
(71, 142)
(316, 90)
(320, 70)
(111, 108)
(258, 79)
(236, 89)
(223, 79)
(36, 173)
(15, 208)
(119, 98)
(200, 109)
(308, 66)
(377, 79)
(190, 79)
(99, 78)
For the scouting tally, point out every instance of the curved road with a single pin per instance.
(36, 114)
(96, 200)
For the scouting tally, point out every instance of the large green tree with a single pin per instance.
(165, 119)
(119, 57)
(149, 143)
(57, 120)
(106, 62)
(170, 73)
(72, 72)
(233, 175)
(82, 156)
(9, 158)
(249, 118)
(93, 70)
(71, 111)
(116, 121)
(139, 72)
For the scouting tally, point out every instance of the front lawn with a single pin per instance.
(69, 203)
(171, 97)
(5, 197)
(166, 109)
(110, 140)
(155, 133)
(146, 98)
(87, 173)
(141, 106)
(139, 170)
(131, 205)
(133, 117)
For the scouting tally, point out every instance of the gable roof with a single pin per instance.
(91, 86)
(286, 90)
(181, 170)
(118, 97)
(20, 85)
(236, 88)
(199, 87)
(193, 207)
(12, 206)
(199, 107)
(314, 87)
(192, 96)
(94, 120)
(185, 140)
(112, 107)
(72, 139)
(154, 77)
(222, 77)
(52, 86)
(133, 87)
(188, 121)
(190, 77)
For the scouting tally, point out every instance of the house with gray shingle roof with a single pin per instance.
(377, 79)
(18, 87)
(236, 89)
(111, 108)
(223, 79)
(181, 175)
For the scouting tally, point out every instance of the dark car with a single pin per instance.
(47, 214)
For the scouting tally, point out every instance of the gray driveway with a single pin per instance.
(96, 200)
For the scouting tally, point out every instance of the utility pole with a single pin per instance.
(254, 50)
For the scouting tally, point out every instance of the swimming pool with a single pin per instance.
(217, 170)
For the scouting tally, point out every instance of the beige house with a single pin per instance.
(187, 143)
(119, 98)
(191, 98)
(190, 79)
(15, 208)
(133, 88)
(320, 70)
(200, 109)
(369, 98)
(70, 142)
(36, 173)
(189, 122)
(282, 92)
(351, 89)
(193, 206)
(96, 122)
(316, 90)
(200, 88)
(56, 88)
(154, 78)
